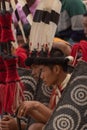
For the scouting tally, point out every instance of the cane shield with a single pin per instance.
(71, 111)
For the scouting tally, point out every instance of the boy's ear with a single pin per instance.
(57, 69)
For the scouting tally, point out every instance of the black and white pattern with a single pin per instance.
(84, 127)
(29, 83)
(44, 24)
(30, 87)
(47, 91)
(5, 6)
(33, 90)
(43, 93)
(71, 110)
(13, 4)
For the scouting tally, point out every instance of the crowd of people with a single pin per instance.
(41, 77)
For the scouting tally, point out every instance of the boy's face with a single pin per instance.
(20, 40)
(49, 75)
(36, 71)
(85, 25)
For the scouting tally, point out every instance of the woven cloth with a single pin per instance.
(34, 91)
(71, 111)
(29, 83)
(38, 91)
(14, 87)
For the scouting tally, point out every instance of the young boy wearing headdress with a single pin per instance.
(36, 109)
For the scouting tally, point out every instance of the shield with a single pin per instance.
(71, 111)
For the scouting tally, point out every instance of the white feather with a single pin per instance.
(41, 32)
(15, 44)
(35, 33)
(7, 6)
(56, 7)
(19, 22)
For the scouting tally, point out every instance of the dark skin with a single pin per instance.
(10, 123)
(35, 109)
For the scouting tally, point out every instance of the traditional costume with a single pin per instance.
(70, 112)
(13, 88)
(3, 75)
(79, 51)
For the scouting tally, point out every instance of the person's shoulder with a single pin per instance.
(24, 71)
(26, 76)
(72, 2)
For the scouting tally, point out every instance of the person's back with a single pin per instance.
(79, 49)
(70, 25)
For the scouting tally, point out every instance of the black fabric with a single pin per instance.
(48, 61)
(29, 83)
(56, 56)
(54, 17)
(17, 15)
(71, 111)
(26, 10)
(46, 17)
(64, 34)
(34, 90)
(29, 61)
(41, 15)
(42, 95)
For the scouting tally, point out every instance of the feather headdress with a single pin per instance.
(2, 84)
(5, 5)
(42, 35)
(13, 88)
(13, 4)
(44, 24)
(6, 21)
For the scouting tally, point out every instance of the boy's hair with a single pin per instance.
(55, 52)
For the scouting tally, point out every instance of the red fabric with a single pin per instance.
(2, 71)
(14, 88)
(0, 32)
(82, 46)
(2, 97)
(12, 74)
(55, 93)
(22, 56)
(7, 34)
(2, 83)
(53, 99)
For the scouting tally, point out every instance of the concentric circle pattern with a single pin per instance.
(68, 118)
(79, 95)
(64, 122)
(84, 127)
(28, 96)
(46, 90)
